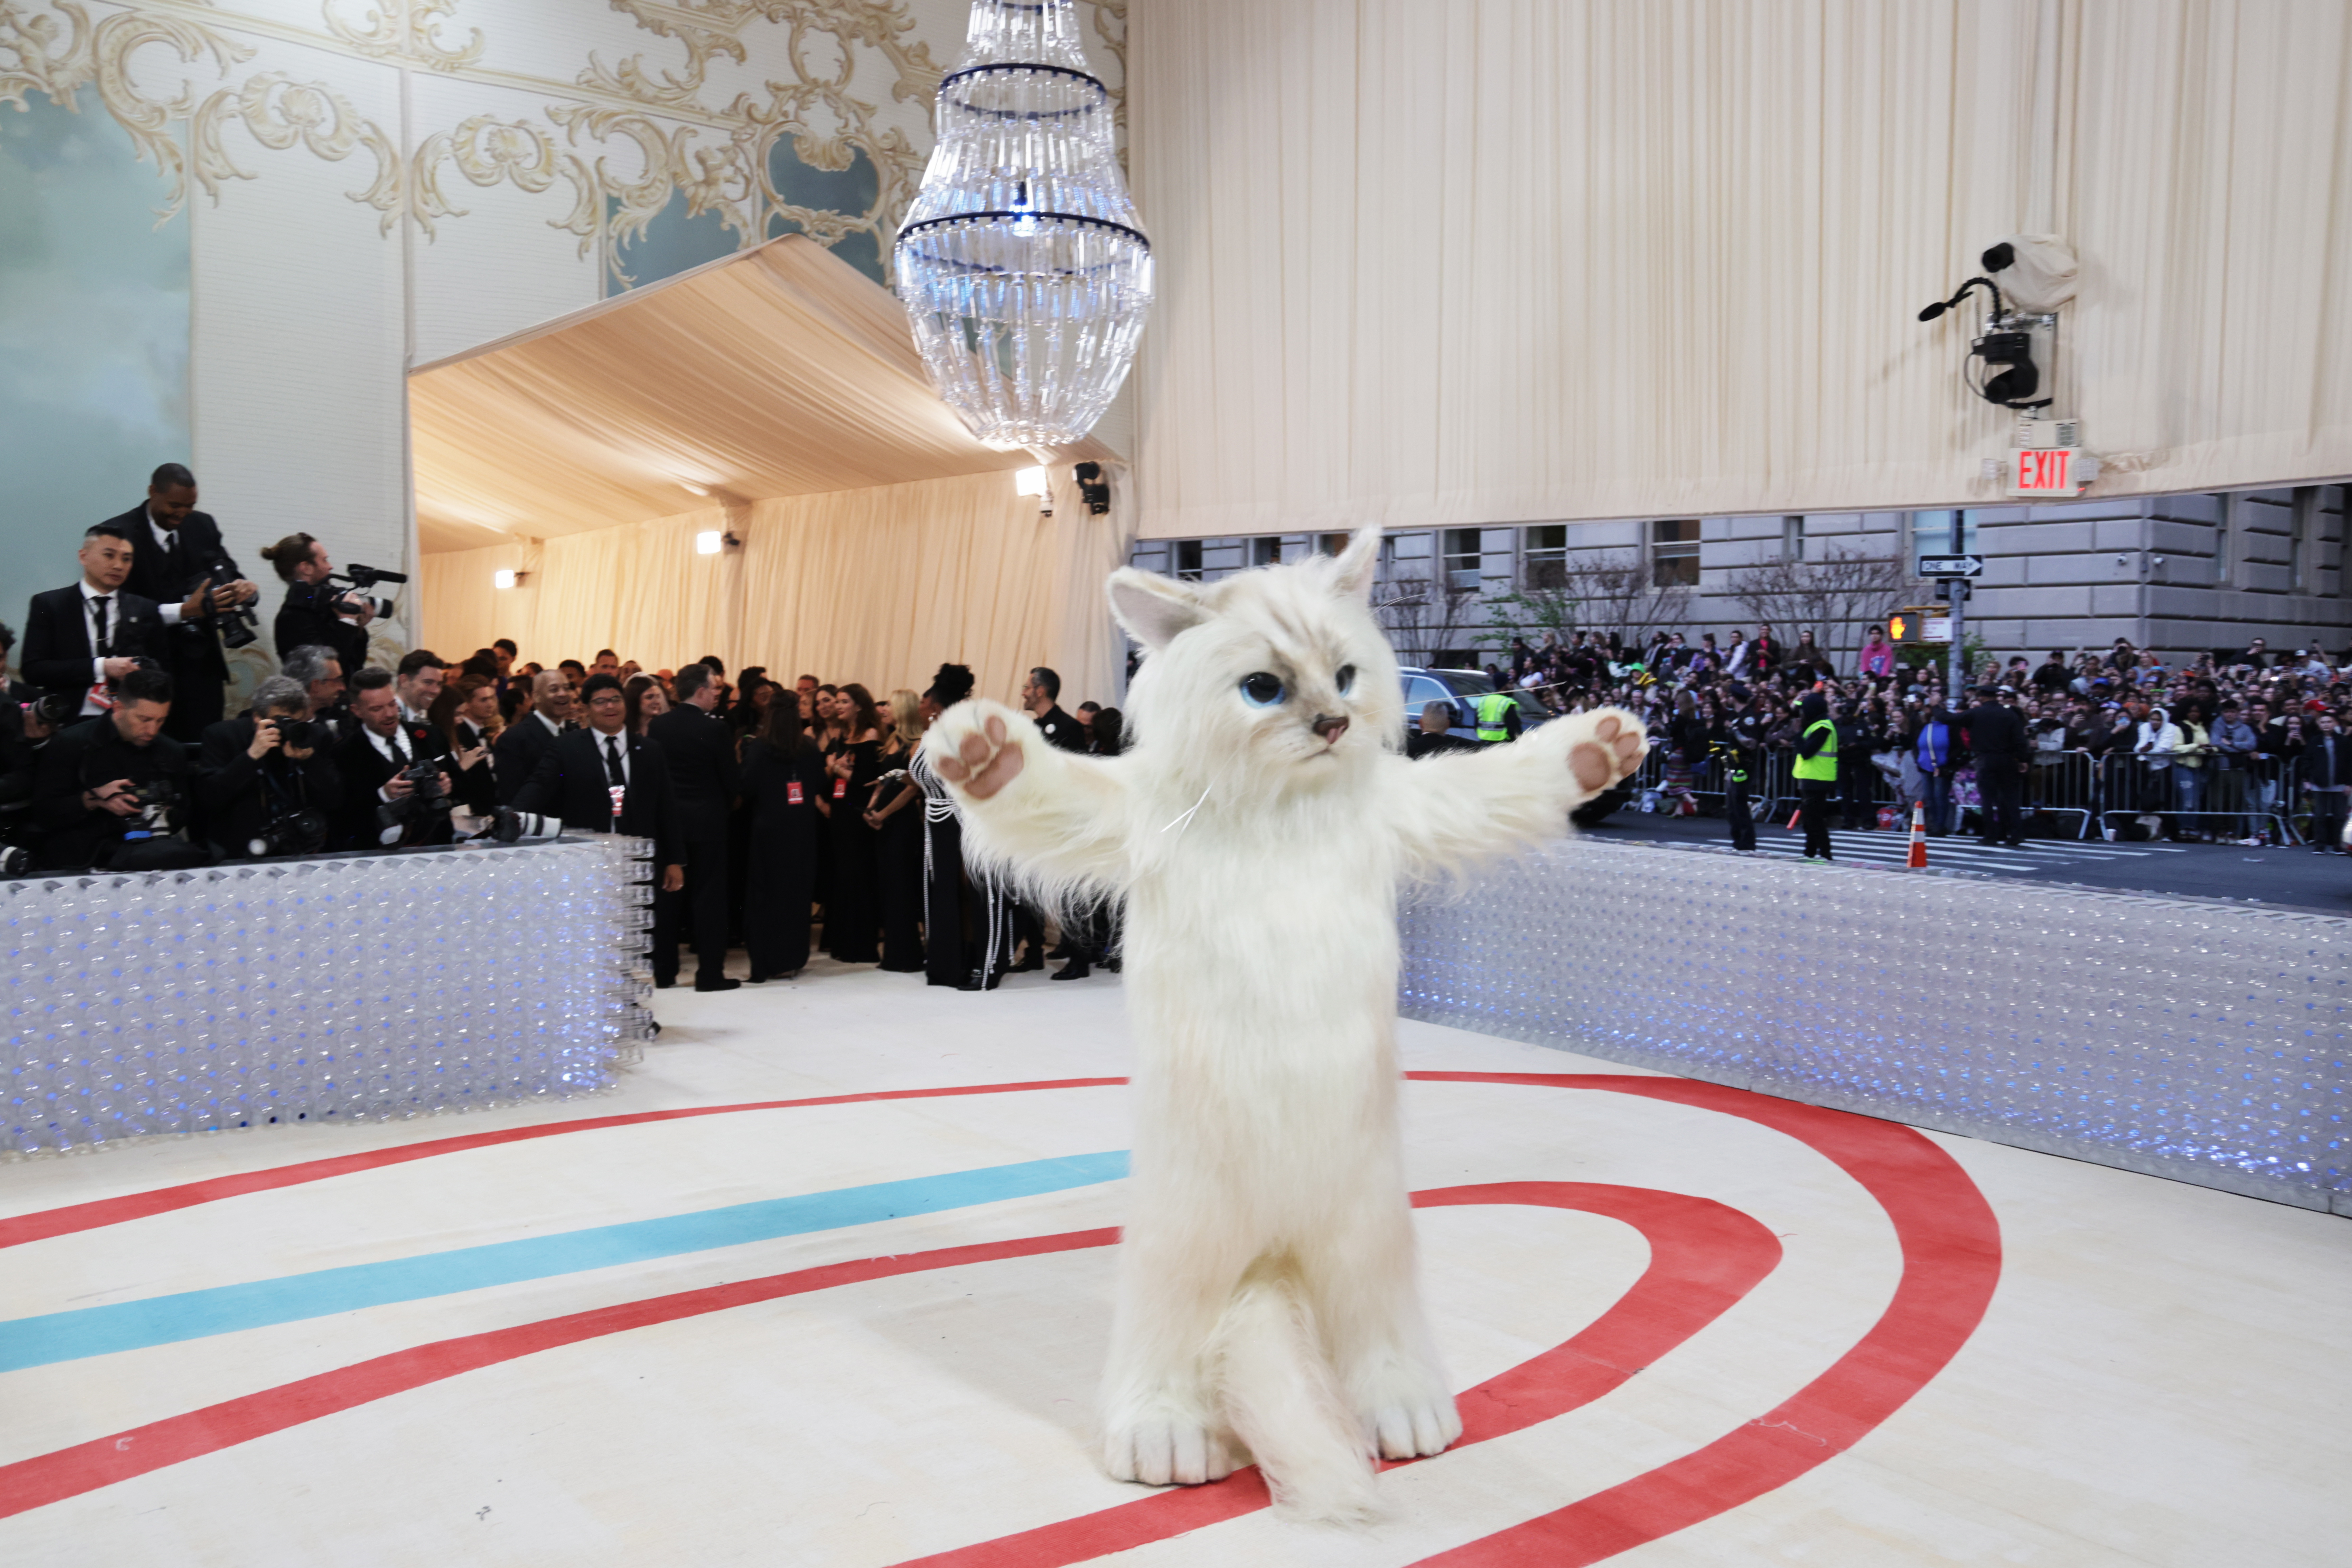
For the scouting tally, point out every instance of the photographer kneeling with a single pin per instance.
(266, 782)
(395, 791)
(109, 791)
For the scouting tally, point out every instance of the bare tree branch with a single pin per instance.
(1836, 598)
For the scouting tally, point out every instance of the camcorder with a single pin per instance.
(345, 593)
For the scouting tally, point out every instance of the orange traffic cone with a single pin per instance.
(1918, 861)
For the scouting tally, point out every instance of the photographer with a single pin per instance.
(265, 781)
(79, 639)
(26, 726)
(316, 610)
(107, 783)
(395, 790)
(321, 675)
(179, 552)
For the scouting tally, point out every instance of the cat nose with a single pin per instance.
(1330, 729)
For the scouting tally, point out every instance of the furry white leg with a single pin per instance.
(1160, 1419)
(1279, 1391)
(1361, 1281)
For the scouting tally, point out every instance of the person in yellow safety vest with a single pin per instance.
(1817, 771)
(1498, 716)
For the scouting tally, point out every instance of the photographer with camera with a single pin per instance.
(266, 782)
(178, 553)
(320, 675)
(27, 720)
(78, 640)
(322, 606)
(109, 791)
(395, 792)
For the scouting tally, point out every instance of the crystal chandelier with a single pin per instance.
(1022, 266)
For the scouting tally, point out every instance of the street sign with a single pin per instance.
(1951, 565)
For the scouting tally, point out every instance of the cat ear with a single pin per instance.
(1358, 562)
(1153, 608)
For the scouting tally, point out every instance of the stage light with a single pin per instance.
(506, 577)
(709, 542)
(1029, 483)
(1093, 488)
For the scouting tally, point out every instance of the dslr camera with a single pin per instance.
(300, 832)
(238, 627)
(422, 802)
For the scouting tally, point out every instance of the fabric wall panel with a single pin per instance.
(1500, 260)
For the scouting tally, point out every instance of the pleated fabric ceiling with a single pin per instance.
(775, 373)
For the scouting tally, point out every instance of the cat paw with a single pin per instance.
(976, 747)
(1415, 1430)
(1611, 751)
(1169, 1448)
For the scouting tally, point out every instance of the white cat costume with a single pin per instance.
(1259, 826)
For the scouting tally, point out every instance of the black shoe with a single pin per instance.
(660, 985)
(1113, 964)
(982, 980)
(1074, 970)
(1061, 951)
(1035, 960)
(754, 978)
(721, 984)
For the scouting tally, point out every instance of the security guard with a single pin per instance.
(1817, 771)
(1498, 716)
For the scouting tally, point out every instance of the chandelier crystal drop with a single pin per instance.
(1024, 271)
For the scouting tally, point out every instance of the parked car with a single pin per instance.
(1461, 689)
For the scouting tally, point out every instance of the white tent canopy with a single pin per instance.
(774, 395)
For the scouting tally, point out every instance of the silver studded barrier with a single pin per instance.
(341, 989)
(2182, 1038)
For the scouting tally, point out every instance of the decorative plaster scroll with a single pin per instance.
(487, 150)
(709, 28)
(406, 30)
(278, 112)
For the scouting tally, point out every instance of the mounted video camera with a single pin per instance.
(344, 592)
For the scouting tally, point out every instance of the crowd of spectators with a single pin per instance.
(2226, 744)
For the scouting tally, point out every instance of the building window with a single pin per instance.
(1462, 558)
(2302, 538)
(1545, 555)
(2224, 541)
(1942, 533)
(1266, 551)
(1332, 543)
(1793, 539)
(1673, 553)
(1188, 560)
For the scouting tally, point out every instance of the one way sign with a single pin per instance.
(1951, 565)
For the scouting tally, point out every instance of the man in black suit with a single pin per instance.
(525, 743)
(2323, 769)
(95, 784)
(701, 759)
(80, 639)
(268, 770)
(2003, 751)
(586, 770)
(372, 760)
(178, 549)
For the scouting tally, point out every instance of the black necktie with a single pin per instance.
(171, 555)
(391, 742)
(99, 603)
(612, 775)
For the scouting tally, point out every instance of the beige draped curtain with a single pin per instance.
(878, 586)
(1453, 261)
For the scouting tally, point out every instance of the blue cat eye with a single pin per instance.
(1262, 689)
(1345, 678)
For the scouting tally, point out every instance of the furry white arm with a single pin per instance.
(1056, 821)
(1451, 810)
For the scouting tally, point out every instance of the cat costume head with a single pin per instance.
(1278, 676)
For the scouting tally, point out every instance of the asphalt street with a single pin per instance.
(2293, 877)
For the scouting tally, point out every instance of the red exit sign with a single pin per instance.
(2046, 472)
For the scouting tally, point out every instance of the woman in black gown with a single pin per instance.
(852, 916)
(896, 815)
(783, 783)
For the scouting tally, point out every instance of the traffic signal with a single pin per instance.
(1902, 627)
(1916, 623)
